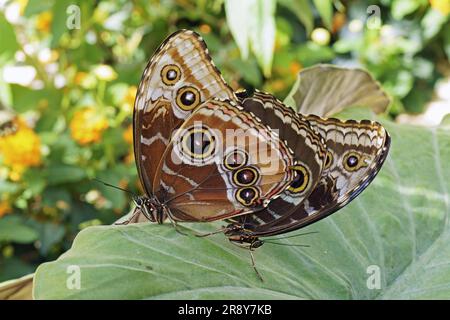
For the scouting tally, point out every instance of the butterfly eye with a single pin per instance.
(170, 74)
(353, 161)
(328, 160)
(198, 143)
(247, 196)
(246, 176)
(235, 159)
(188, 98)
(301, 179)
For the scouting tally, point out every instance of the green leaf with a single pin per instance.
(58, 174)
(59, 20)
(312, 53)
(13, 229)
(326, 90)
(325, 9)
(252, 24)
(396, 231)
(9, 44)
(49, 235)
(401, 8)
(17, 289)
(397, 227)
(37, 6)
(303, 12)
(432, 23)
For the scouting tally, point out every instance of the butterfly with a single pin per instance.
(206, 153)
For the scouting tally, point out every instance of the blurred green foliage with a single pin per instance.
(70, 89)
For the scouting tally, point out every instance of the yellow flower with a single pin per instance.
(19, 149)
(128, 99)
(43, 21)
(80, 76)
(87, 125)
(443, 6)
(128, 134)
(85, 80)
(5, 208)
(129, 158)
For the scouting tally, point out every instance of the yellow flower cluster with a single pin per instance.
(43, 21)
(87, 126)
(20, 149)
(443, 6)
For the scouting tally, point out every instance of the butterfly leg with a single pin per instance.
(201, 235)
(254, 264)
(174, 223)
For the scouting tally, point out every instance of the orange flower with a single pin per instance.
(295, 67)
(339, 20)
(87, 126)
(204, 28)
(443, 6)
(128, 134)
(20, 148)
(80, 76)
(5, 208)
(44, 21)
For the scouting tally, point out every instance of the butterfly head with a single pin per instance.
(150, 208)
(241, 236)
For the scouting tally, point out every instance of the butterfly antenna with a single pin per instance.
(294, 236)
(115, 187)
(288, 244)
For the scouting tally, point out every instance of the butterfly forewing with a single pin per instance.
(235, 164)
(356, 152)
(179, 77)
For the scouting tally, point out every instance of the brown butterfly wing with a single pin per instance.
(239, 166)
(179, 77)
(343, 178)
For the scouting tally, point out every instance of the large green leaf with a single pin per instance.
(398, 229)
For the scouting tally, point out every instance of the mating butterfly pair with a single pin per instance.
(205, 153)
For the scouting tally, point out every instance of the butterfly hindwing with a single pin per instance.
(223, 162)
(355, 153)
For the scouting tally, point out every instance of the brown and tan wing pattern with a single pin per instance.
(307, 145)
(356, 152)
(222, 162)
(179, 77)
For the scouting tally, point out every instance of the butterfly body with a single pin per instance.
(205, 153)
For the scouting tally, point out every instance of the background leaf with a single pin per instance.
(325, 9)
(252, 23)
(302, 9)
(14, 229)
(326, 90)
(9, 40)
